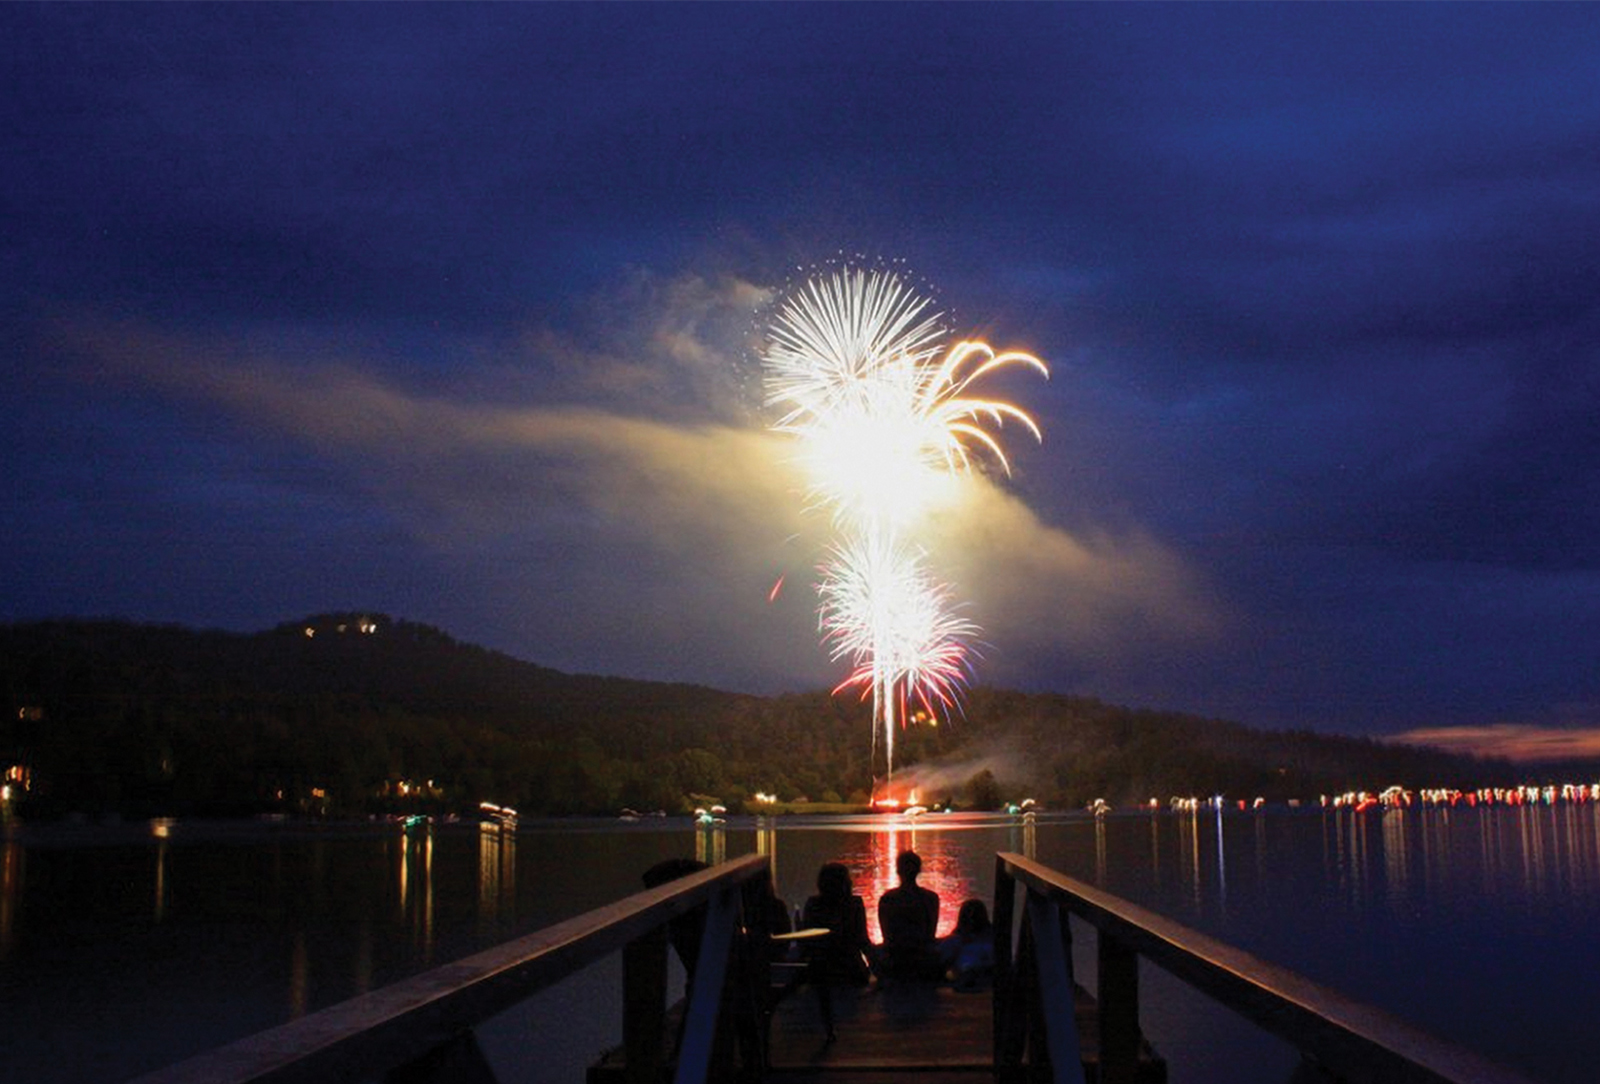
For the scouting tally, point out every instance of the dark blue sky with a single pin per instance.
(450, 312)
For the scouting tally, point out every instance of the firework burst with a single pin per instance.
(885, 414)
(893, 621)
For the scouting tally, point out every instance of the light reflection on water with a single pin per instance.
(10, 892)
(869, 852)
(126, 949)
(497, 875)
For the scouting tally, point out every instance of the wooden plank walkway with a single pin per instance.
(895, 1034)
(897, 1028)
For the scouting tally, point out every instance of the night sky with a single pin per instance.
(453, 313)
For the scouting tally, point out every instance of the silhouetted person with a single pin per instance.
(909, 918)
(967, 955)
(765, 917)
(839, 958)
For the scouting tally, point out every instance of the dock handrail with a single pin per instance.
(1340, 1039)
(411, 1028)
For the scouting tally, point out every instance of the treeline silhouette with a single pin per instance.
(112, 717)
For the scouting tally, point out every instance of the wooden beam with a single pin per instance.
(1007, 1045)
(1118, 970)
(1055, 989)
(705, 997)
(364, 1037)
(1347, 1038)
(644, 1006)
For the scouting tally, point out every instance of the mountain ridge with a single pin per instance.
(347, 713)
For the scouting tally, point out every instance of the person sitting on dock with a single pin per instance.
(766, 917)
(967, 954)
(839, 958)
(909, 918)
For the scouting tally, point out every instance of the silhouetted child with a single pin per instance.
(967, 954)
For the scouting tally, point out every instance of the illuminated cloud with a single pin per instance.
(1513, 741)
(1037, 589)
(631, 541)
(668, 347)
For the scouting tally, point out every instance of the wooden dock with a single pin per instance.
(423, 1029)
(893, 1034)
(883, 1030)
(886, 1034)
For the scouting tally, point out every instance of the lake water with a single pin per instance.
(123, 949)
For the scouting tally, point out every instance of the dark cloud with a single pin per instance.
(448, 310)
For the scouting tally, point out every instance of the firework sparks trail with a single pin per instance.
(857, 366)
(883, 611)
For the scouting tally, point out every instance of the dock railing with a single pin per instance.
(421, 1029)
(1339, 1039)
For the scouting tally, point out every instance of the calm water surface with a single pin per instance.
(123, 949)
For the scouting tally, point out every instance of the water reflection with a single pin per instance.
(1444, 914)
(1261, 846)
(1155, 849)
(10, 893)
(1222, 866)
(1189, 851)
(414, 870)
(711, 843)
(1396, 856)
(497, 875)
(161, 879)
(299, 977)
(767, 843)
(868, 849)
(1538, 855)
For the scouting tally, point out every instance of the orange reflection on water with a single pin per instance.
(872, 869)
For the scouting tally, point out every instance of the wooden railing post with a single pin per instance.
(1008, 1035)
(1340, 1040)
(1056, 991)
(1118, 969)
(644, 1006)
(704, 1008)
(423, 1025)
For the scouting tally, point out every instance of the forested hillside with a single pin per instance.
(346, 714)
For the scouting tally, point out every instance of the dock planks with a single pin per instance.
(894, 1034)
(907, 1027)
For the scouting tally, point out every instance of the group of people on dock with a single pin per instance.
(908, 916)
(832, 943)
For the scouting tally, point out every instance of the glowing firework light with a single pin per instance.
(856, 363)
(882, 610)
